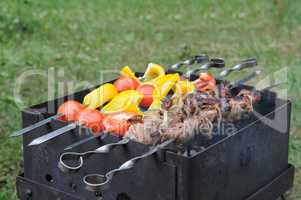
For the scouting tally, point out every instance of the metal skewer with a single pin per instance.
(84, 141)
(248, 63)
(213, 63)
(53, 134)
(246, 79)
(195, 59)
(99, 183)
(34, 126)
(77, 159)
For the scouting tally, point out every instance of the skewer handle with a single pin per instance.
(246, 79)
(214, 63)
(248, 63)
(191, 61)
(71, 162)
(99, 183)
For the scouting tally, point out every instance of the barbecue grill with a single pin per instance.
(250, 163)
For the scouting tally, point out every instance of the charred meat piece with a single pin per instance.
(139, 133)
(189, 128)
(148, 131)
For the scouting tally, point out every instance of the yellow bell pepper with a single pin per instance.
(126, 71)
(100, 96)
(183, 87)
(156, 105)
(165, 83)
(153, 71)
(126, 101)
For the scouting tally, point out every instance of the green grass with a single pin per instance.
(85, 37)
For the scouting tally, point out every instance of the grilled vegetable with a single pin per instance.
(100, 96)
(157, 88)
(156, 104)
(119, 123)
(164, 84)
(126, 83)
(147, 90)
(205, 83)
(153, 71)
(183, 87)
(126, 101)
(70, 110)
(126, 71)
(207, 77)
(92, 119)
(88, 117)
(169, 82)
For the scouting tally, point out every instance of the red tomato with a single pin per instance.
(147, 90)
(92, 119)
(205, 83)
(70, 110)
(115, 126)
(206, 77)
(126, 83)
(117, 123)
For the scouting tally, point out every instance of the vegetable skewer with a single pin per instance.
(88, 117)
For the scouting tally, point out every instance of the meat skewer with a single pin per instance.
(194, 122)
(214, 63)
(99, 182)
(71, 161)
(80, 142)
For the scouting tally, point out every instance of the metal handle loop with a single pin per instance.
(76, 160)
(99, 182)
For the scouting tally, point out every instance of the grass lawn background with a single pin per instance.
(85, 37)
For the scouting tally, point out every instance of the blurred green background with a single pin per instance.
(84, 37)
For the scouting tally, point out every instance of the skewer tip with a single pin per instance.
(15, 134)
(34, 143)
(68, 148)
